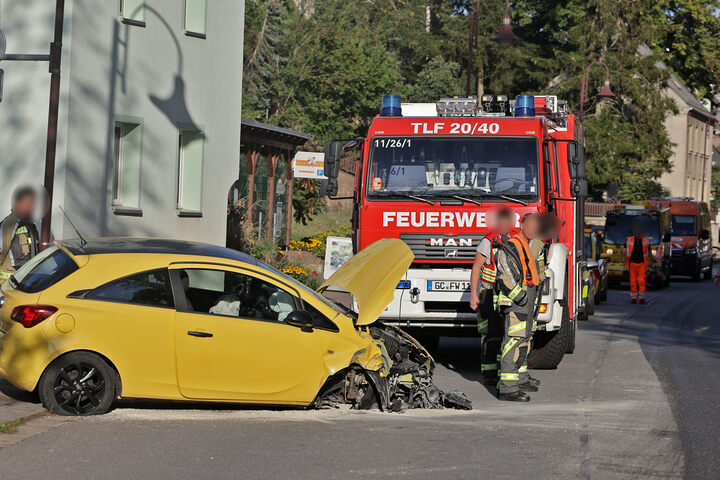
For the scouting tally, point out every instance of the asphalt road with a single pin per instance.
(637, 400)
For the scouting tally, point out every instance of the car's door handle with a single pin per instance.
(193, 333)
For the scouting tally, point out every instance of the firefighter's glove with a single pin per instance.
(521, 299)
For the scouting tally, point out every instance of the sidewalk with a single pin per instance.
(16, 404)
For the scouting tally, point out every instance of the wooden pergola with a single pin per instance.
(276, 144)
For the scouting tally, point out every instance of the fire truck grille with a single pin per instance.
(442, 247)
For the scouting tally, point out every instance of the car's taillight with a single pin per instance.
(30, 315)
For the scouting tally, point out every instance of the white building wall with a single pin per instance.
(156, 73)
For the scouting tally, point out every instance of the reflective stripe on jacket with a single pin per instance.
(630, 242)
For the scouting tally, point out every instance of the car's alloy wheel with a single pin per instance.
(79, 388)
(80, 383)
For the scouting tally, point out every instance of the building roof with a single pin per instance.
(122, 245)
(678, 87)
(252, 131)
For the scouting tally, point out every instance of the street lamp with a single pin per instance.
(604, 92)
(506, 37)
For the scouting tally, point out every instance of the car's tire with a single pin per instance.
(696, 274)
(78, 383)
(602, 295)
(549, 347)
(590, 308)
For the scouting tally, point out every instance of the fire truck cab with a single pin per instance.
(430, 173)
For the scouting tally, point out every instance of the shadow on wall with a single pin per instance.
(97, 212)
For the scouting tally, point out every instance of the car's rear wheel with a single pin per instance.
(79, 383)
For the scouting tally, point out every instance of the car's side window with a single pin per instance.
(151, 288)
(235, 294)
(320, 320)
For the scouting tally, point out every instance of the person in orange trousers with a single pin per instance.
(637, 260)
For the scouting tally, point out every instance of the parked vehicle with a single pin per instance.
(618, 227)
(428, 174)
(85, 323)
(691, 243)
(595, 275)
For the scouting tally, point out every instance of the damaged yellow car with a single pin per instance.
(88, 322)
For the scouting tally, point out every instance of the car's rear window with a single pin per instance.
(43, 271)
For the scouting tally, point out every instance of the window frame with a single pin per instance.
(182, 305)
(133, 21)
(118, 161)
(179, 165)
(85, 294)
(192, 33)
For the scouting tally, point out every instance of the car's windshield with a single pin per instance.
(684, 225)
(619, 227)
(466, 166)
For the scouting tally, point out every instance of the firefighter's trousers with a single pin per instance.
(517, 323)
(490, 328)
(638, 274)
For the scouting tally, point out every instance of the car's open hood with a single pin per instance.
(372, 276)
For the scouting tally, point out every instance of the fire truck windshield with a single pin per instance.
(464, 166)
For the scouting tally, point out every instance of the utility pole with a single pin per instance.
(50, 150)
(53, 60)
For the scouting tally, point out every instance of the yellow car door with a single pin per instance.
(232, 343)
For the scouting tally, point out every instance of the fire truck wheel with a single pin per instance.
(549, 347)
(431, 341)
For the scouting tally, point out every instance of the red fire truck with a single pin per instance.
(429, 173)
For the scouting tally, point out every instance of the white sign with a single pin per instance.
(309, 165)
(338, 250)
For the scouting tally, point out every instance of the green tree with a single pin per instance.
(437, 79)
(691, 44)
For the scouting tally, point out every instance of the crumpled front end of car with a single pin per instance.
(398, 378)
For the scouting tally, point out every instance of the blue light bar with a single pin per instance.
(391, 106)
(403, 285)
(525, 106)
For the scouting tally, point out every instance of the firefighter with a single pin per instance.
(482, 283)
(19, 239)
(517, 290)
(637, 259)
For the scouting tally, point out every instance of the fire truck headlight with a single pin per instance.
(654, 252)
(690, 251)
(609, 251)
(457, 107)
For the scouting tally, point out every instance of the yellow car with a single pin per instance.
(88, 322)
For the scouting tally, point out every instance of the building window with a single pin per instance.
(196, 18)
(190, 171)
(127, 160)
(133, 12)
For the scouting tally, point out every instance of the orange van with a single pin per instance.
(690, 242)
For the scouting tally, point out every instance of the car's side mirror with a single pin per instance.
(300, 319)
(704, 234)
(592, 264)
(666, 238)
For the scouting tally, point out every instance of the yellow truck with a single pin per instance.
(619, 222)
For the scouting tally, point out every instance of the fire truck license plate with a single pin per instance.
(447, 286)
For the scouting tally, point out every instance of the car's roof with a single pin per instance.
(160, 246)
